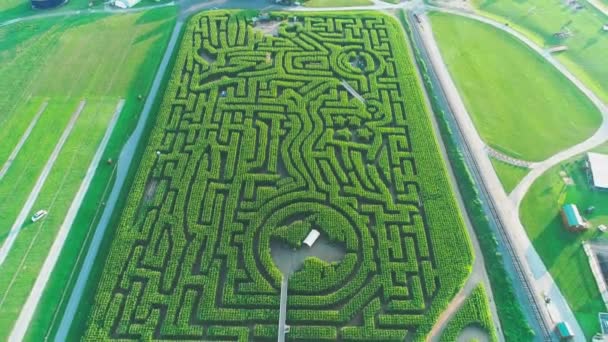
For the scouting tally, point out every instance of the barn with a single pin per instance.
(598, 170)
(572, 218)
(45, 4)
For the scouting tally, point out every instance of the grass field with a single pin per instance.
(509, 175)
(336, 3)
(541, 19)
(475, 312)
(95, 57)
(514, 97)
(561, 250)
(255, 141)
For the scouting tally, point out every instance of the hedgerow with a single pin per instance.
(258, 140)
(474, 312)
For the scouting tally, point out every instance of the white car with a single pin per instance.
(38, 215)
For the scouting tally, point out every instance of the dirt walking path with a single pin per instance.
(22, 141)
(28, 310)
(123, 165)
(27, 207)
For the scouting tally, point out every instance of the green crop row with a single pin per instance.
(248, 153)
(475, 312)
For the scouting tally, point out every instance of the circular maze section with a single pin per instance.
(261, 139)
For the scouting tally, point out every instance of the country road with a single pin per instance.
(123, 164)
(29, 308)
(26, 210)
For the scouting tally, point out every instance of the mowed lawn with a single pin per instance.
(561, 250)
(508, 174)
(541, 19)
(97, 58)
(520, 104)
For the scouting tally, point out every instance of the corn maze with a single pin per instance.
(260, 138)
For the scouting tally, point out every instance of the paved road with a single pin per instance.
(599, 5)
(28, 310)
(283, 309)
(26, 210)
(123, 165)
(22, 141)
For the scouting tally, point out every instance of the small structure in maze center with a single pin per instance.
(311, 238)
(572, 219)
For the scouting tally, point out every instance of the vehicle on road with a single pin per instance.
(38, 215)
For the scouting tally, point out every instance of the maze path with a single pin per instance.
(257, 136)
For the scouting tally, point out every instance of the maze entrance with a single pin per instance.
(259, 141)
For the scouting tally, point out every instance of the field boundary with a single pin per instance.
(28, 309)
(22, 141)
(29, 204)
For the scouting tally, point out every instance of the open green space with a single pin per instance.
(101, 59)
(336, 3)
(515, 98)
(475, 312)
(542, 19)
(560, 249)
(508, 174)
(257, 135)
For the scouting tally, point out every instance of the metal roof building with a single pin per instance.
(598, 166)
(564, 332)
(125, 3)
(311, 237)
(572, 218)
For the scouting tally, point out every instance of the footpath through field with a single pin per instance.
(27, 207)
(22, 141)
(123, 165)
(27, 311)
(508, 209)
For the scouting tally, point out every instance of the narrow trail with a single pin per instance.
(22, 141)
(29, 308)
(123, 165)
(599, 6)
(27, 207)
(283, 309)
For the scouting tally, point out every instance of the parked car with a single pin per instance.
(38, 215)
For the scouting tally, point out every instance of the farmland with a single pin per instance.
(515, 98)
(560, 249)
(542, 19)
(260, 138)
(67, 69)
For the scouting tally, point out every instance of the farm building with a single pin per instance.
(603, 317)
(44, 4)
(598, 170)
(572, 218)
(125, 3)
(312, 237)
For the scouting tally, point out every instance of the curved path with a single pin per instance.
(123, 165)
(29, 308)
(543, 283)
(31, 200)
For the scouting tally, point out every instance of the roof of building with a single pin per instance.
(312, 237)
(564, 330)
(126, 3)
(599, 169)
(572, 215)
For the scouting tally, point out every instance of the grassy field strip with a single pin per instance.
(13, 129)
(29, 308)
(126, 153)
(22, 141)
(515, 97)
(27, 207)
(30, 250)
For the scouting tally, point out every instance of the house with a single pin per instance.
(564, 332)
(572, 218)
